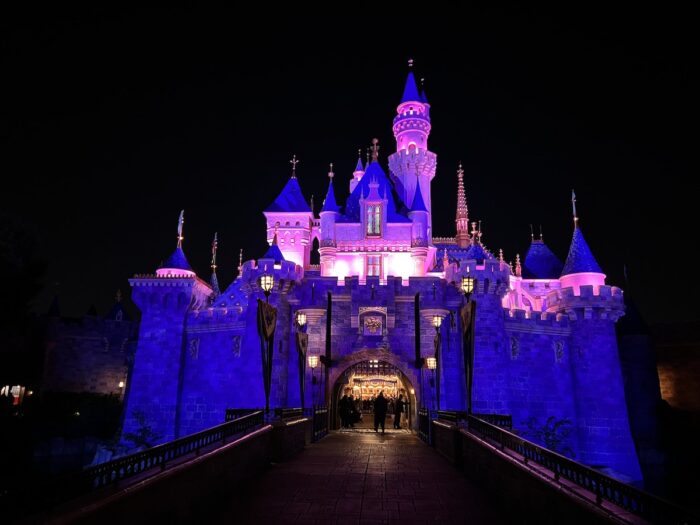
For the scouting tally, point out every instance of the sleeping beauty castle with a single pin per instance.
(391, 307)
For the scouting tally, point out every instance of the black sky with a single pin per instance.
(113, 123)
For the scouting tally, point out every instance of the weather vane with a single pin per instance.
(180, 222)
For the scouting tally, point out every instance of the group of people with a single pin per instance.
(350, 412)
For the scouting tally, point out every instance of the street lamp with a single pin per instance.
(313, 363)
(437, 322)
(431, 362)
(467, 286)
(301, 320)
(266, 283)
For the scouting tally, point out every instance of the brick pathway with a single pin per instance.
(362, 478)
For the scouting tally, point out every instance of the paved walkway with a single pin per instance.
(363, 478)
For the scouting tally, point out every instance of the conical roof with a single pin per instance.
(329, 203)
(580, 258)
(410, 90)
(290, 199)
(541, 263)
(177, 260)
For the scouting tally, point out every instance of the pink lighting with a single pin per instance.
(576, 280)
(174, 272)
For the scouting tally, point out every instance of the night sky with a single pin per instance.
(114, 123)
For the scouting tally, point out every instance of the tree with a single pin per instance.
(144, 436)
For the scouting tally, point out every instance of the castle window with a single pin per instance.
(374, 220)
(374, 265)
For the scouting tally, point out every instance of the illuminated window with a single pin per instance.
(374, 264)
(374, 220)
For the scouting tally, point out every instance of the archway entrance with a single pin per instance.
(363, 381)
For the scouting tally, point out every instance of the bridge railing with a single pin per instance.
(64, 488)
(424, 425)
(235, 413)
(319, 421)
(605, 488)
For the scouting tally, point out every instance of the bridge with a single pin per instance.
(285, 467)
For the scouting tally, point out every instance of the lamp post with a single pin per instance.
(267, 321)
(468, 315)
(266, 283)
(431, 363)
(437, 322)
(302, 341)
(313, 363)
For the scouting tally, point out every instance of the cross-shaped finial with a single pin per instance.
(294, 163)
(330, 173)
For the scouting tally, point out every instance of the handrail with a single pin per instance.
(64, 488)
(500, 420)
(235, 413)
(287, 413)
(633, 500)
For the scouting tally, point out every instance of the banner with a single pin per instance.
(468, 317)
(267, 321)
(302, 347)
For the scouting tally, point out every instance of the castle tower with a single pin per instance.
(164, 300)
(328, 214)
(358, 173)
(462, 220)
(419, 239)
(602, 422)
(412, 163)
(291, 218)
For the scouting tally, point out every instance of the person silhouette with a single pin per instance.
(398, 410)
(380, 406)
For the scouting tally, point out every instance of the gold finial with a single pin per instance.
(460, 171)
(474, 230)
(573, 204)
(375, 149)
(541, 236)
(410, 63)
(532, 234)
(294, 163)
(180, 222)
(330, 173)
(368, 156)
(240, 261)
(118, 297)
(518, 268)
(214, 247)
(500, 255)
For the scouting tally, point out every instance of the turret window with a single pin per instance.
(374, 220)
(374, 265)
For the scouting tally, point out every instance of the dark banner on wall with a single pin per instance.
(302, 347)
(267, 320)
(468, 318)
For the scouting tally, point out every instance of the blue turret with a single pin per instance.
(410, 90)
(329, 203)
(580, 258)
(541, 263)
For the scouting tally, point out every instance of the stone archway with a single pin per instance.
(382, 354)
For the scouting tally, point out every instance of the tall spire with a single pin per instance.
(410, 90)
(180, 222)
(375, 150)
(580, 258)
(462, 219)
(294, 163)
(329, 203)
(214, 278)
(359, 166)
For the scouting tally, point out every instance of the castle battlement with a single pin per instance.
(587, 302)
(528, 321)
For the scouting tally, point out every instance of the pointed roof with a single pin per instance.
(410, 90)
(214, 281)
(274, 253)
(423, 97)
(290, 199)
(580, 258)
(475, 251)
(374, 173)
(541, 262)
(329, 203)
(177, 260)
(359, 166)
(418, 203)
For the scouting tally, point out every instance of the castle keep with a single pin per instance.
(544, 342)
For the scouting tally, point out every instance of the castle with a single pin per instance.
(543, 337)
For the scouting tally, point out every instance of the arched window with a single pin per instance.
(374, 220)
